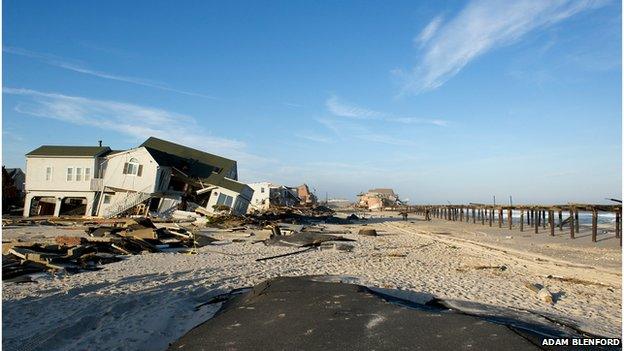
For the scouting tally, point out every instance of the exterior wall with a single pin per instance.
(115, 178)
(305, 195)
(260, 200)
(58, 186)
(36, 173)
(237, 200)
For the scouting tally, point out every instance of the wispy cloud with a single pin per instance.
(129, 119)
(428, 32)
(79, 67)
(292, 104)
(341, 108)
(346, 130)
(317, 138)
(483, 25)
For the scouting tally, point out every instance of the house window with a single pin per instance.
(224, 200)
(87, 174)
(262, 190)
(70, 174)
(78, 174)
(133, 167)
(107, 199)
(48, 173)
(228, 201)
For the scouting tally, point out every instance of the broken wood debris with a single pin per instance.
(466, 269)
(104, 244)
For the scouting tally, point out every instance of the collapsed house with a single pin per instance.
(307, 198)
(267, 195)
(12, 189)
(19, 179)
(157, 177)
(378, 199)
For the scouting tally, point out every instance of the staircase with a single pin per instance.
(127, 202)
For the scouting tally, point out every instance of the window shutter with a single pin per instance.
(140, 171)
(125, 170)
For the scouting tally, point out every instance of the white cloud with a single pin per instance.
(481, 26)
(317, 138)
(79, 67)
(136, 121)
(344, 109)
(428, 31)
(346, 129)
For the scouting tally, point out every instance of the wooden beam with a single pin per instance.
(536, 221)
(618, 218)
(571, 223)
(594, 225)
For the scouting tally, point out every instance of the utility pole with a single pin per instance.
(510, 202)
(494, 200)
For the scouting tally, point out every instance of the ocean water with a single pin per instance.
(585, 218)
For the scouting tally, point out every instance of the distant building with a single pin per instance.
(156, 177)
(19, 179)
(377, 199)
(12, 189)
(307, 198)
(267, 195)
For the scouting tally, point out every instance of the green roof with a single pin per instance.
(71, 151)
(194, 163)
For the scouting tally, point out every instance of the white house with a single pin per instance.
(58, 179)
(158, 176)
(266, 194)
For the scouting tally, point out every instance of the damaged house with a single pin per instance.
(307, 198)
(378, 199)
(157, 177)
(267, 195)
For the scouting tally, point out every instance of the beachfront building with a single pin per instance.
(157, 177)
(307, 198)
(58, 179)
(267, 194)
(378, 199)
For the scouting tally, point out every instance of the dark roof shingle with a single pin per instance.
(194, 163)
(76, 151)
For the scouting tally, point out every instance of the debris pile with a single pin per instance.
(104, 244)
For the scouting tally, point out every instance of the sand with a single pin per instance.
(147, 301)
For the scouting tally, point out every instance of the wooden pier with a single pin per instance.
(536, 216)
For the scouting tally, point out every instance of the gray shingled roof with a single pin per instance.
(75, 151)
(194, 163)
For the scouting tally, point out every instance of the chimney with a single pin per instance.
(100, 142)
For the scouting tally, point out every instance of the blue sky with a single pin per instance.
(442, 101)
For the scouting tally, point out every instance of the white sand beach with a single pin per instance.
(147, 301)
